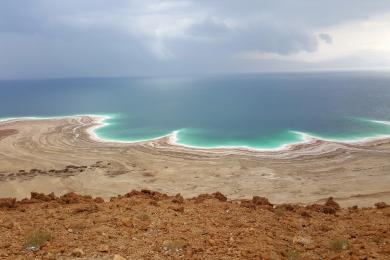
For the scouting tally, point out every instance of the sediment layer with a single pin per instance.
(60, 155)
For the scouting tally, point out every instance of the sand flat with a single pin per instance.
(39, 155)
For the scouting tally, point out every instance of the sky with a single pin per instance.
(105, 38)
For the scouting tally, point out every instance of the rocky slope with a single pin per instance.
(151, 225)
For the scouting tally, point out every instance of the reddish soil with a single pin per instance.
(151, 225)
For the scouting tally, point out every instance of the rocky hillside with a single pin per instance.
(151, 225)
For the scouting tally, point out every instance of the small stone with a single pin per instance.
(118, 257)
(219, 196)
(381, 205)
(126, 221)
(78, 252)
(103, 248)
(302, 240)
(99, 200)
(259, 201)
(247, 204)
(331, 203)
(211, 242)
(178, 199)
(176, 208)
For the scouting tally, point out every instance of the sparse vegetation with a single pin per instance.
(143, 217)
(293, 255)
(279, 212)
(339, 244)
(36, 239)
(377, 239)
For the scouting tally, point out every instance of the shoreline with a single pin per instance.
(63, 155)
(307, 139)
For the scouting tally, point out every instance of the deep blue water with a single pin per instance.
(256, 110)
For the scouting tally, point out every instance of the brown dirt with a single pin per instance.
(152, 225)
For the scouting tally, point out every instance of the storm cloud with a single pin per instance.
(73, 38)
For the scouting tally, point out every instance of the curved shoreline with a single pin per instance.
(99, 122)
(63, 155)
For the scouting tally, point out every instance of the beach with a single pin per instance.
(63, 155)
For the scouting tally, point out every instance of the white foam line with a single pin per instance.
(344, 141)
(174, 141)
(380, 122)
(101, 123)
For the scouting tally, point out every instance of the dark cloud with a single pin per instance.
(57, 38)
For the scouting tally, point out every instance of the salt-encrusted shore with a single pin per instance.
(35, 154)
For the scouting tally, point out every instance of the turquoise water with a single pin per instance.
(262, 111)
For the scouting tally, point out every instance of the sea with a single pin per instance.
(263, 111)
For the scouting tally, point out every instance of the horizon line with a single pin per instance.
(312, 71)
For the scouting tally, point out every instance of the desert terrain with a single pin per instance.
(65, 194)
(150, 225)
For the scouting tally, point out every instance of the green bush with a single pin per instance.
(339, 244)
(36, 239)
(293, 255)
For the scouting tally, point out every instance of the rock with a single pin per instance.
(78, 252)
(176, 208)
(43, 197)
(126, 221)
(331, 203)
(99, 200)
(153, 203)
(86, 208)
(247, 204)
(77, 225)
(328, 210)
(211, 242)
(178, 199)
(287, 207)
(118, 257)
(103, 248)
(7, 203)
(305, 214)
(381, 205)
(219, 196)
(202, 197)
(330, 207)
(302, 240)
(148, 193)
(71, 198)
(261, 201)
(9, 224)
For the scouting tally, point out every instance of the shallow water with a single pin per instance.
(263, 111)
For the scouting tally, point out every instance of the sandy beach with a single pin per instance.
(61, 155)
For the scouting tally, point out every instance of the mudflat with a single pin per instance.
(61, 155)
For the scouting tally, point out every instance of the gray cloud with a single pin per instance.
(325, 37)
(57, 38)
